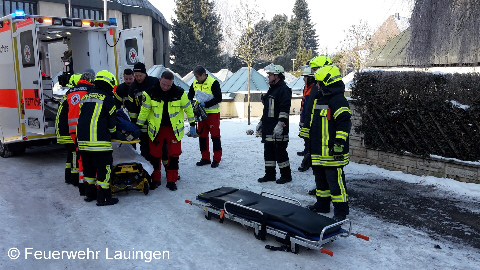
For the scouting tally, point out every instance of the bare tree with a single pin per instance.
(248, 41)
(356, 46)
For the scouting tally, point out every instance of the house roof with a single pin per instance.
(157, 70)
(393, 52)
(239, 81)
(298, 84)
(223, 74)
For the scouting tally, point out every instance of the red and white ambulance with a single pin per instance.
(27, 105)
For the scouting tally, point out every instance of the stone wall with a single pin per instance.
(461, 171)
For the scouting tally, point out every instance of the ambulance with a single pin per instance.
(27, 104)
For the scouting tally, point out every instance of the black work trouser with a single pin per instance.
(331, 180)
(97, 165)
(276, 153)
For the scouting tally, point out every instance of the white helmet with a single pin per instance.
(307, 71)
(275, 69)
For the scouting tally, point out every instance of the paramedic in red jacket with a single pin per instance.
(84, 85)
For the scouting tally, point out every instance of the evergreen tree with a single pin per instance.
(196, 36)
(302, 33)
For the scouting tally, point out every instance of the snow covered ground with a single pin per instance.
(43, 218)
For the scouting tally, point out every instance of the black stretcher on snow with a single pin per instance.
(267, 213)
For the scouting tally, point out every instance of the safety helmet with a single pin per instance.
(72, 82)
(307, 71)
(328, 75)
(106, 76)
(275, 69)
(320, 61)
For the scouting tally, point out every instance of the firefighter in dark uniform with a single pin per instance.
(206, 86)
(316, 63)
(63, 134)
(142, 83)
(329, 131)
(96, 127)
(274, 126)
(121, 95)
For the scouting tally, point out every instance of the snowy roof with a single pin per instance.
(238, 81)
(298, 84)
(348, 80)
(402, 22)
(189, 78)
(223, 74)
(157, 70)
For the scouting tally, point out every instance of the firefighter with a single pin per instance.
(141, 83)
(309, 80)
(274, 126)
(63, 136)
(164, 108)
(329, 131)
(208, 94)
(121, 95)
(96, 127)
(84, 85)
(316, 63)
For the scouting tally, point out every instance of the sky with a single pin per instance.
(336, 16)
(40, 213)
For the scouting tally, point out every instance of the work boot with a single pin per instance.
(104, 197)
(340, 210)
(283, 180)
(155, 184)
(172, 186)
(339, 218)
(74, 179)
(81, 189)
(321, 206)
(266, 178)
(215, 164)
(312, 192)
(306, 163)
(90, 192)
(203, 162)
(300, 153)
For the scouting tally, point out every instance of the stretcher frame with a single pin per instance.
(292, 242)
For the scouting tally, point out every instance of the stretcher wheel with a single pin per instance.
(208, 217)
(146, 188)
(296, 249)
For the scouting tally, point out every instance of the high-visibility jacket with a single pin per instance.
(330, 124)
(97, 121)
(61, 122)
(211, 88)
(152, 111)
(276, 107)
(135, 92)
(73, 98)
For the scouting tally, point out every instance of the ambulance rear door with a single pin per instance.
(29, 77)
(131, 49)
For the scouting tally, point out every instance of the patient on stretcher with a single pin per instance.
(126, 130)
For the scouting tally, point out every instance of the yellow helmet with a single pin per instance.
(320, 61)
(275, 69)
(72, 82)
(106, 76)
(328, 75)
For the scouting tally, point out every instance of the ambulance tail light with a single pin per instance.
(57, 21)
(67, 22)
(77, 23)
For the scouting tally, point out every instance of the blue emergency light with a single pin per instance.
(112, 21)
(19, 14)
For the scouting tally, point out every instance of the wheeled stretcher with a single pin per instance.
(267, 213)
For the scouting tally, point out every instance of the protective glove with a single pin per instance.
(338, 152)
(259, 129)
(202, 103)
(193, 131)
(278, 130)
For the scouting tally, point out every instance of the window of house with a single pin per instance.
(8, 7)
(86, 13)
(126, 21)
